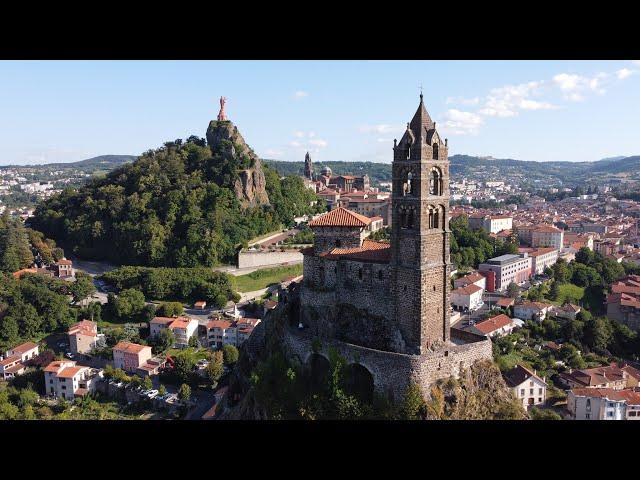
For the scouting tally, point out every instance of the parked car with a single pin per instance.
(62, 344)
(69, 355)
(152, 393)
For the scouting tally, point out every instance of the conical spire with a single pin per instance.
(421, 122)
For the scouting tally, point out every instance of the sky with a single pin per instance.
(64, 111)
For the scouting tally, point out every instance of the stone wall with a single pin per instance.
(258, 259)
(393, 372)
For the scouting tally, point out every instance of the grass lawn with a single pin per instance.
(570, 292)
(200, 354)
(263, 278)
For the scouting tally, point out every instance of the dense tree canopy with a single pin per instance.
(174, 206)
(470, 247)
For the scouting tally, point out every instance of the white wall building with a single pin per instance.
(603, 404)
(528, 387)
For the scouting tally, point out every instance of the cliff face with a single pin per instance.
(245, 167)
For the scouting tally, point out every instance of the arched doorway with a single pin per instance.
(319, 369)
(358, 381)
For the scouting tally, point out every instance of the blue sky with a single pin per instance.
(58, 111)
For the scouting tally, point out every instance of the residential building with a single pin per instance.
(13, 362)
(183, 328)
(467, 298)
(491, 223)
(547, 236)
(623, 303)
(130, 356)
(614, 376)
(532, 310)
(568, 311)
(83, 337)
(230, 332)
(474, 278)
(63, 268)
(603, 404)
(64, 379)
(526, 385)
(220, 333)
(494, 327)
(542, 258)
(506, 268)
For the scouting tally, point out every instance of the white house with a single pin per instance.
(63, 379)
(494, 326)
(603, 404)
(532, 310)
(12, 363)
(472, 279)
(467, 298)
(528, 387)
(183, 328)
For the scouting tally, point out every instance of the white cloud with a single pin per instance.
(463, 101)
(381, 129)
(318, 143)
(635, 62)
(300, 94)
(298, 134)
(508, 100)
(462, 123)
(295, 143)
(576, 86)
(624, 73)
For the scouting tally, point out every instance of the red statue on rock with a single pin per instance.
(222, 116)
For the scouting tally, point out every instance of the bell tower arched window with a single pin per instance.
(408, 190)
(435, 182)
(435, 151)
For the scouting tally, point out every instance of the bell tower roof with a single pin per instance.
(421, 122)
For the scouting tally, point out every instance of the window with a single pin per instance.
(587, 416)
(539, 400)
(360, 273)
(522, 392)
(380, 275)
(539, 391)
(435, 151)
(531, 391)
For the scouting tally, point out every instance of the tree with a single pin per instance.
(184, 362)
(230, 354)
(162, 390)
(127, 304)
(561, 271)
(165, 340)
(193, 341)
(414, 405)
(513, 290)
(214, 371)
(82, 287)
(184, 393)
(147, 384)
(598, 333)
(170, 309)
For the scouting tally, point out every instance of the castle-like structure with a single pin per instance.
(386, 305)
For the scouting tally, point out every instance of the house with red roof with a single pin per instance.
(603, 404)
(494, 327)
(65, 379)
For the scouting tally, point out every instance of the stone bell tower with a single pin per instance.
(420, 234)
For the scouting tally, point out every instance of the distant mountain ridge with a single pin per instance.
(484, 168)
(108, 162)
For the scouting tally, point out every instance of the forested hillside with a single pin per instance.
(176, 206)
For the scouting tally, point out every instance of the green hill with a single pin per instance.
(182, 205)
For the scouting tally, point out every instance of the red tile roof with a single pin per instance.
(340, 217)
(494, 323)
(629, 396)
(370, 251)
(25, 347)
(467, 290)
(129, 347)
(222, 324)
